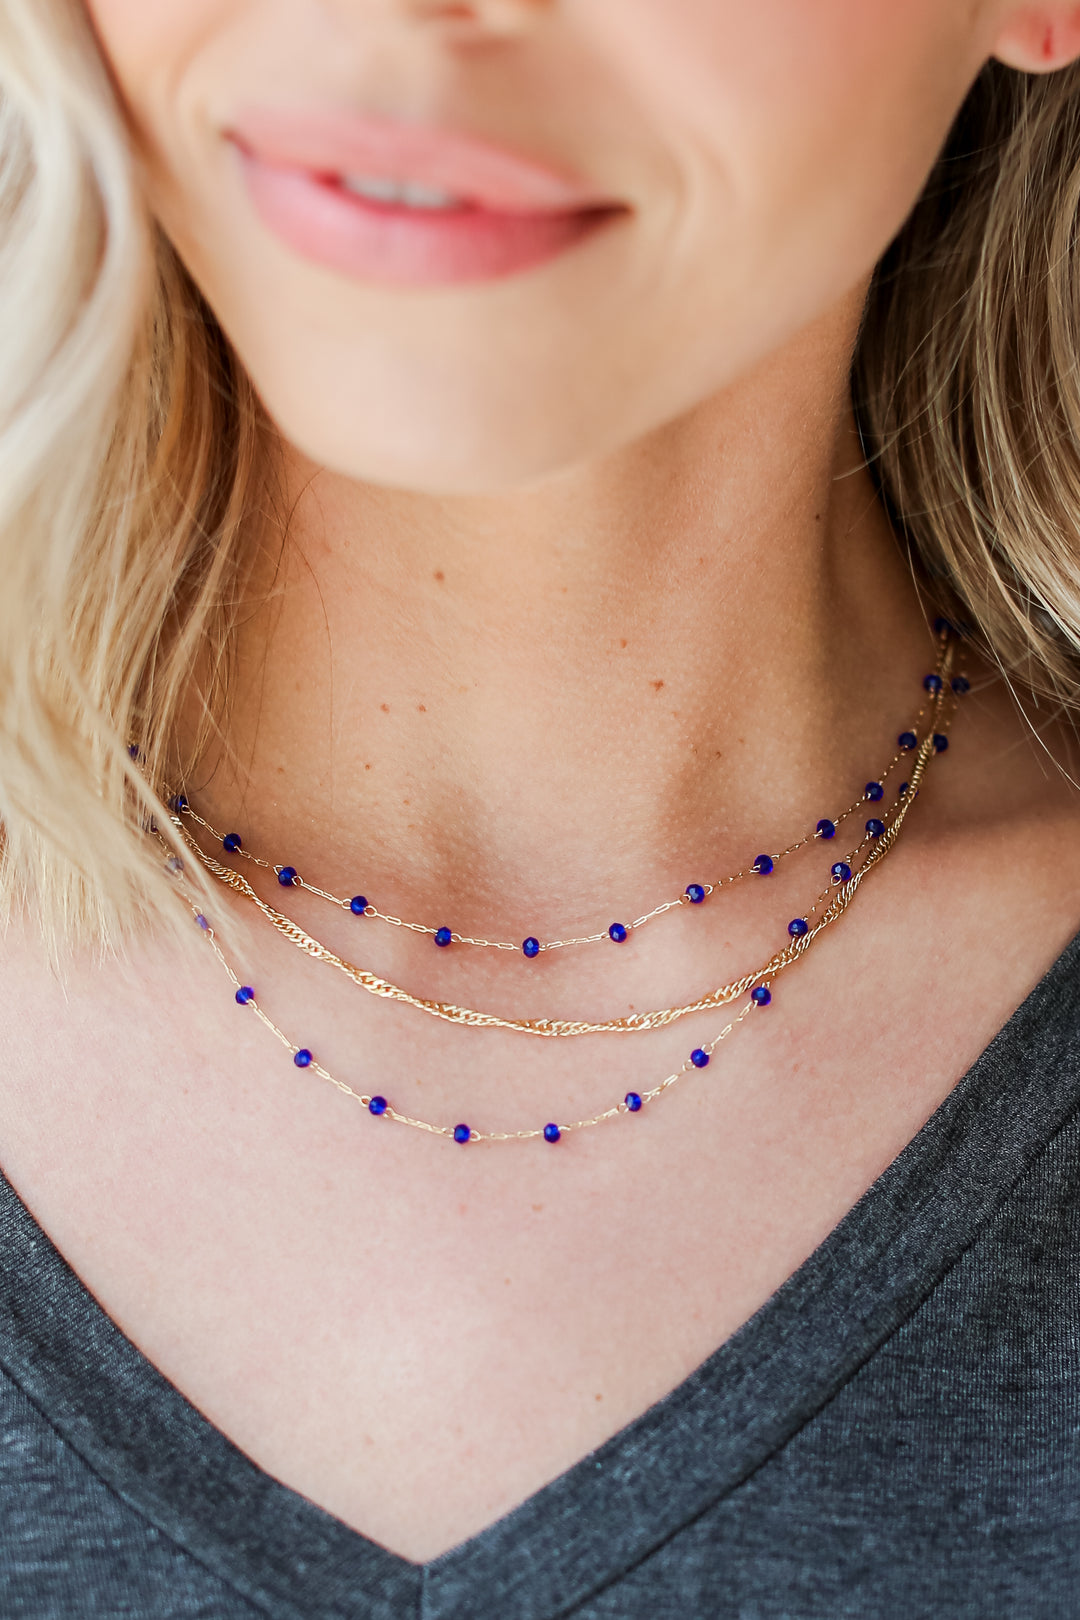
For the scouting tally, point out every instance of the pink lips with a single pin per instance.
(508, 213)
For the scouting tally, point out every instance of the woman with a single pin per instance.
(500, 466)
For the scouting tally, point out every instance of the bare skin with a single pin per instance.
(539, 708)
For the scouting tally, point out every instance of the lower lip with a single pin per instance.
(407, 247)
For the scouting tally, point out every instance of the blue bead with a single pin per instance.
(443, 937)
(378, 1105)
(943, 627)
(875, 792)
(203, 922)
(797, 927)
(633, 1102)
(287, 876)
(940, 743)
(903, 789)
(617, 932)
(841, 872)
(133, 750)
(699, 1058)
(551, 1133)
(764, 865)
(695, 894)
(175, 865)
(179, 804)
(302, 1059)
(761, 996)
(908, 741)
(245, 994)
(961, 685)
(826, 829)
(231, 842)
(933, 684)
(358, 905)
(531, 947)
(874, 827)
(462, 1133)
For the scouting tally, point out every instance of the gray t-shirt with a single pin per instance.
(895, 1433)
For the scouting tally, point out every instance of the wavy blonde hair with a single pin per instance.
(134, 459)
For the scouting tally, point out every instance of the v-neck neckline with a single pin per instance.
(607, 1512)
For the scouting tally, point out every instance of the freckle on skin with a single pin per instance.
(385, 707)
(624, 643)
(462, 1208)
(439, 575)
(421, 708)
(537, 1208)
(658, 686)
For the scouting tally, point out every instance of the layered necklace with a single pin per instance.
(865, 847)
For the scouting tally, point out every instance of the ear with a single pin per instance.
(1039, 36)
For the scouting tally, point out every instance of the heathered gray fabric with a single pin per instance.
(895, 1433)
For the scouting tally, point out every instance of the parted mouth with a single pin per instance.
(409, 166)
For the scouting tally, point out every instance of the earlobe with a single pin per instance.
(1040, 38)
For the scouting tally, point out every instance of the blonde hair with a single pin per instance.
(133, 457)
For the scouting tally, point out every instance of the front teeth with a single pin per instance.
(401, 193)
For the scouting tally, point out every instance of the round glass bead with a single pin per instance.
(378, 1105)
(940, 743)
(633, 1102)
(762, 996)
(179, 804)
(908, 741)
(231, 842)
(826, 829)
(874, 827)
(287, 876)
(175, 865)
(961, 685)
(942, 627)
(244, 995)
(903, 789)
(443, 937)
(358, 905)
(302, 1059)
(875, 792)
(617, 932)
(841, 872)
(699, 1058)
(552, 1133)
(531, 947)
(695, 894)
(133, 750)
(764, 865)
(797, 927)
(462, 1133)
(933, 684)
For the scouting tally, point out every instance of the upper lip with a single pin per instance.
(346, 143)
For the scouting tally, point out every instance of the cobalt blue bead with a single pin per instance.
(761, 996)
(378, 1105)
(302, 1059)
(133, 750)
(826, 829)
(933, 684)
(695, 894)
(551, 1133)
(231, 842)
(633, 1102)
(699, 1058)
(358, 905)
(841, 872)
(287, 876)
(443, 937)
(245, 994)
(940, 743)
(179, 804)
(942, 627)
(531, 947)
(961, 685)
(764, 865)
(203, 922)
(908, 741)
(462, 1133)
(874, 827)
(797, 927)
(903, 789)
(875, 792)
(617, 932)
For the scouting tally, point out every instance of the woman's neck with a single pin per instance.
(693, 642)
